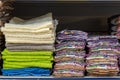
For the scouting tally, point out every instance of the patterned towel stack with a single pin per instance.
(102, 59)
(70, 54)
(29, 46)
(5, 11)
(114, 25)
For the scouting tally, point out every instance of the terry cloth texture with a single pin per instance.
(70, 54)
(32, 31)
(40, 53)
(26, 72)
(18, 60)
(29, 44)
(102, 59)
(29, 47)
(13, 65)
(27, 59)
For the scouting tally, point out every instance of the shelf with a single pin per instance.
(73, 2)
(51, 78)
(89, 12)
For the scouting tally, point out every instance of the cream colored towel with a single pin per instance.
(37, 36)
(28, 40)
(42, 23)
(4, 29)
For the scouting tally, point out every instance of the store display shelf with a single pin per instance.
(76, 2)
(52, 78)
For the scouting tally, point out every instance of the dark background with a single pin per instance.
(88, 16)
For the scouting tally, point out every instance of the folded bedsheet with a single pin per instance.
(70, 54)
(68, 73)
(71, 35)
(33, 71)
(102, 59)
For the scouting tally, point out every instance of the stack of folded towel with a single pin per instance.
(29, 46)
(118, 27)
(70, 54)
(5, 11)
(29, 62)
(102, 59)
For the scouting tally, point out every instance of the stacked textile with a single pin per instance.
(70, 54)
(5, 11)
(114, 24)
(102, 59)
(118, 31)
(29, 47)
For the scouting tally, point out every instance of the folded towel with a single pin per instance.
(37, 36)
(33, 71)
(40, 24)
(28, 57)
(3, 29)
(13, 65)
(29, 39)
(29, 47)
(34, 26)
(40, 53)
(17, 44)
(32, 40)
(28, 60)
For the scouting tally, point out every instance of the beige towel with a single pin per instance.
(41, 23)
(37, 36)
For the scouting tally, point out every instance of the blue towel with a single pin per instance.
(26, 72)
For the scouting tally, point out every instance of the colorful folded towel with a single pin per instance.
(13, 65)
(40, 53)
(29, 47)
(33, 71)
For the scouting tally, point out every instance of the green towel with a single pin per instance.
(14, 65)
(43, 53)
(27, 60)
(28, 57)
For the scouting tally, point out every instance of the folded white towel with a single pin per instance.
(39, 36)
(35, 26)
(20, 40)
(29, 33)
(4, 29)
